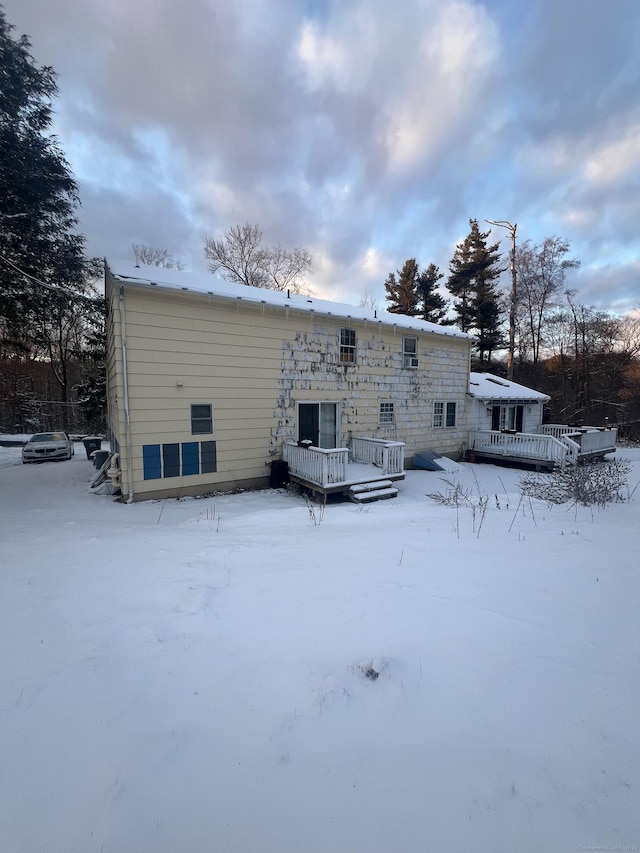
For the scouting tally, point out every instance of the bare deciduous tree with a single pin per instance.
(239, 256)
(541, 271)
(155, 257)
(368, 301)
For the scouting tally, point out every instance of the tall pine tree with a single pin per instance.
(474, 270)
(433, 306)
(402, 293)
(48, 304)
(38, 195)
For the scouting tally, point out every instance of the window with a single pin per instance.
(410, 352)
(151, 465)
(209, 457)
(444, 414)
(318, 423)
(201, 419)
(387, 415)
(347, 346)
(190, 458)
(172, 460)
(508, 418)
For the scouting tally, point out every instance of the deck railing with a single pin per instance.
(591, 439)
(386, 455)
(594, 442)
(326, 467)
(316, 464)
(530, 446)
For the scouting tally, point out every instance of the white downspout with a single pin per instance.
(125, 378)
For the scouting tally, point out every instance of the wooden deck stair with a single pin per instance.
(377, 491)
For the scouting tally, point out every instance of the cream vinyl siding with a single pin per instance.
(253, 364)
(182, 350)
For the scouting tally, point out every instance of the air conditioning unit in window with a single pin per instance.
(410, 361)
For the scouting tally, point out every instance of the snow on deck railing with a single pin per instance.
(533, 446)
(595, 442)
(386, 455)
(591, 439)
(316, 464)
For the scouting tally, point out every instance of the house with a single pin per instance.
(505, 423)
(501, 404)
(212, 385)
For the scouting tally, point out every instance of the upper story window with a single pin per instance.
(201, 419)
(347, 346)
(410, 352)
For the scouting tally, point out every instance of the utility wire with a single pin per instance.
(56, 288)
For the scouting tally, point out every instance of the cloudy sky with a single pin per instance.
(367, 131)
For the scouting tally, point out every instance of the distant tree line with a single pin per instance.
(586, 359)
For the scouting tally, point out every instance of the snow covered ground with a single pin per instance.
(191, 675)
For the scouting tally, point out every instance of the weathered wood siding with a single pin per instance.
(311, 371)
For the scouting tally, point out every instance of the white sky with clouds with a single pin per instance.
(368, 132)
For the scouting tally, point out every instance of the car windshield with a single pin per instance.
(49, 436)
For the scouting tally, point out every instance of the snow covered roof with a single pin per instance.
(205, 283)
(487, 387)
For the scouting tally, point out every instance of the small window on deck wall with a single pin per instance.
(347, 346)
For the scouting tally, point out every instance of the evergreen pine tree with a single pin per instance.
(474, 270)
(433, 306)
(38, 195)
(48, 303)
(402, 293)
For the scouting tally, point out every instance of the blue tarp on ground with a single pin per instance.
(425, 460)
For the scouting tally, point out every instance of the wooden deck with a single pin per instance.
(335, 470)
(555, 444)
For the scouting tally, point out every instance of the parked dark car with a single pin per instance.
(47, 445)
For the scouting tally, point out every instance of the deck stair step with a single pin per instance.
(376, 491)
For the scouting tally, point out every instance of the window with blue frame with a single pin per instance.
(190, 458)
(187, 458)
(173, 459)
(151, 464)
